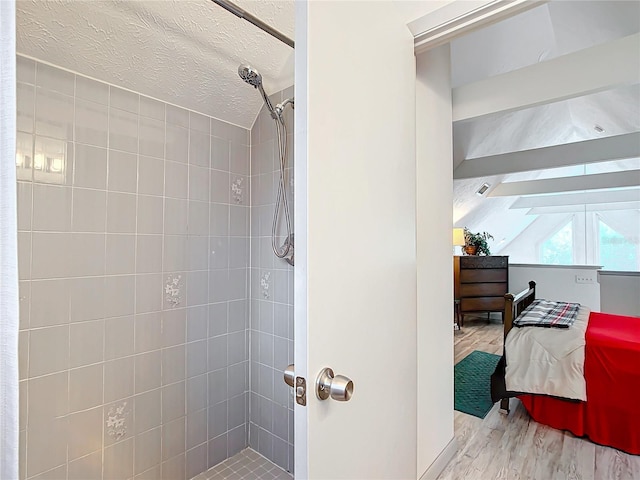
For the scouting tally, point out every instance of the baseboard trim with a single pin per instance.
(441, 461)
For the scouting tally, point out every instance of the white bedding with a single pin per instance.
(548, 361)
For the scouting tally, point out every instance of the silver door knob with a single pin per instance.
(290, 376)
(338, 387)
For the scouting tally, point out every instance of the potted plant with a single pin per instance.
(476, 243)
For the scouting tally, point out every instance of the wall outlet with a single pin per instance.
(585, 278)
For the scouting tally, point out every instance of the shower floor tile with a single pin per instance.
(246, 465)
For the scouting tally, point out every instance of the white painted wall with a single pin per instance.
(619, 292)
(434, 179)
(356, 245)
(555, 282)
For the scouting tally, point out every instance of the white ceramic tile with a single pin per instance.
(51, 208)
(198, 183)
(176, 179)
(23, 357)
(48, 398)
(91, 122)
(85, 387)
(239, 159)
(198, 292)
(149, 254)
(118, 379)
(199, 122)
(198, 252)
(54, 114)
(86, 343)
(123, 99)
(123, 130)
(25, 106)
(147, 409)
(196, 358)
(53, 161)
(25, 70)
(118, 337)
(198, 220)
(220, 186)
(87, 298)
(24, 200)
(149, 290)
(53, 78)
(176, 143)
(49, 302)
(199, 148)
(177, 116)
(150, 175)
(148, 371)
(24, 256)
(48, 350)
(238, 221)
(175, 216)
(118, 460)
(174, 468)
(90, 167)
(147, 450)
(92, 90)
(121, 212)
(148, 332)
(218, 285)
(24, 156)
(173, 408)
(150, 214)
(151, 136)
(86, 433)
(219, 219)
(47, 446)
(51, 255)
(89, 210)
(197, 323)
(238, 252)
(220, 153)
(196, 459)
(120, 295)
(89, 466)
(88, 254)
(151, 108)
(123, 171)
(174, 327)
(175, 253)
(217, 319)
(173, 364)
(121, 254)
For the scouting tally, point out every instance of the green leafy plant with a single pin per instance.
(476, 243)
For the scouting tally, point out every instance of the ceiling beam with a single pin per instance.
(602, 207)
(625, 178)
(587, 198)
(591, 70)
(617, 147)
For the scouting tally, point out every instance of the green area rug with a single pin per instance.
(472, 383)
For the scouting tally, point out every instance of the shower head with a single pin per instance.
(250, 75)
(253, 77)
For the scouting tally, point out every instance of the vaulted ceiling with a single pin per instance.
(551, 139)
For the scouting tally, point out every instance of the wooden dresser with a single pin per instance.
(480, 283)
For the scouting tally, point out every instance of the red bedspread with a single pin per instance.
(611, 414)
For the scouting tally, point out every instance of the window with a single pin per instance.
(616, 252)
(558, 248)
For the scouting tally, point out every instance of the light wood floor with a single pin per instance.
(516, 447)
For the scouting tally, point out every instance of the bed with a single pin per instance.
(610, 413)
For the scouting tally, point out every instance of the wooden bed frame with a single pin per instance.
(514, 305)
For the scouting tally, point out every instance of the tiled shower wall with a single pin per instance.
(271, 417)
(133, 259)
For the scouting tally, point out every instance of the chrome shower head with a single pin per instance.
(250, 75)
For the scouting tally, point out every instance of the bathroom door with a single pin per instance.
(355, 277)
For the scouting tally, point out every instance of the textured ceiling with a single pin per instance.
(184, 52)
